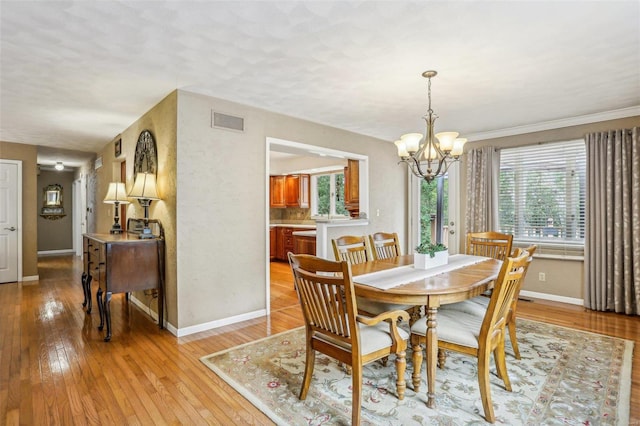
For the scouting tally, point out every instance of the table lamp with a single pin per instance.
(144, 189)
(116, 195)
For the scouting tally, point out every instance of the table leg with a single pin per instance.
(432, 355)
(83, 280)
(107, 314)
(100, 308)
(88, 290)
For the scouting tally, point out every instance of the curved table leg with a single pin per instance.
(432, 355)
(83, 280)
(107, 314)
(88, 290)
(100, 308)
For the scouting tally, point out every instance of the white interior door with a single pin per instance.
(9, 221)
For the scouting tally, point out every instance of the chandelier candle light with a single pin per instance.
(116, 195)
(426, 157)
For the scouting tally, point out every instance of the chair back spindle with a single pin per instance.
(384, 245)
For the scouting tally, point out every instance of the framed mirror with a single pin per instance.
(52, 204)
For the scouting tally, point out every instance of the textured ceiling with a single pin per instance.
(74, 74)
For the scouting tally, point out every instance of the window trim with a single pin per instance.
(562, 249)
(332, 189)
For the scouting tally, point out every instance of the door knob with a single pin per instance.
(452, 232)
(11, 229)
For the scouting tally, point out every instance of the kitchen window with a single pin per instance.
(328, 195)
(542, 196)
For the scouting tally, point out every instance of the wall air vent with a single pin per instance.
(228, 122)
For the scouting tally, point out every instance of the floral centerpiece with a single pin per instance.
(429, 255)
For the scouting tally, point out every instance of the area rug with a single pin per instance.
(564, 377)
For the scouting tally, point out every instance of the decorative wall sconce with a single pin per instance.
(116, 195)
(144, 189)
(52, 207)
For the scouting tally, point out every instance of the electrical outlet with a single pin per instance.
(378, 212)
(542, 276)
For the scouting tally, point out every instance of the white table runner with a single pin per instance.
(406, 274)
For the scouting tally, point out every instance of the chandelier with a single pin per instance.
(427, 157)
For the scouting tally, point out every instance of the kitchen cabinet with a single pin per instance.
(289, 191)
(296, 193)
(284, 240)
(276, 191)
(272, 243)
(304, 244)
(352, 187)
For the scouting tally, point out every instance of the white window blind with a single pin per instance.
(542, 196)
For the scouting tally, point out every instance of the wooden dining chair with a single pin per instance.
(489, 244)
(478, 306)
(334, 327)
(478, 337)
(384, 245)
(354, 249)
(351, 248)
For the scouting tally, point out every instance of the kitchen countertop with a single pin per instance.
(304, 233)
(292, 225)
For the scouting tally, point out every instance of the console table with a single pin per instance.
(121, 263)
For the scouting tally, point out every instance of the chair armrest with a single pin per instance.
(389, 315)
(392, 318)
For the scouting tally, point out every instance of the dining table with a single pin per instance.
(396, 281)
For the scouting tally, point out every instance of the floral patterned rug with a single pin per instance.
(564, 377)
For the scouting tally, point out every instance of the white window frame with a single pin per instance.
(332, 191)
(548, 246)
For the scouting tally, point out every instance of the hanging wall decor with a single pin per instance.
(146, 157)
(52, 205)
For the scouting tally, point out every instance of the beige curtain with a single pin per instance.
(483, 173)
(612, 240)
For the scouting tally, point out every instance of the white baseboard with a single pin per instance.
(31, 278)
(552, 297)
(54, 252)
(220, 323)
(200, 327)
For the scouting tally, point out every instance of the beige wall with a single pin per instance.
(222, 202)
(563, 277)
(28, 154)
(161, 122)
(56, 234)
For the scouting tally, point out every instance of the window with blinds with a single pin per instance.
(542, 196)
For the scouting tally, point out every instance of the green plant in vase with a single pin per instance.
(430, 248)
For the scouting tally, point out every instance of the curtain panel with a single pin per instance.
(483, 174)
(612, 240)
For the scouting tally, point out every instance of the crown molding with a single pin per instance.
(556, 124)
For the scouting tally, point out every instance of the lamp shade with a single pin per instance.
(144, 187)
(116, 194)
(446, 140)
(411, 141)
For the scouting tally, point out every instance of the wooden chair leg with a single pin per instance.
(308, 371)
(501, 365)
(512, 336)
(417, 362)
(356, 384)
(484, 384)
(401, 367)
(442, 358)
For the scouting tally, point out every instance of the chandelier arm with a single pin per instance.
(434, 153)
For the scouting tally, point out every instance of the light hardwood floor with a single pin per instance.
(55, 368)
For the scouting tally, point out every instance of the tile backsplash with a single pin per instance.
(289, 215)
